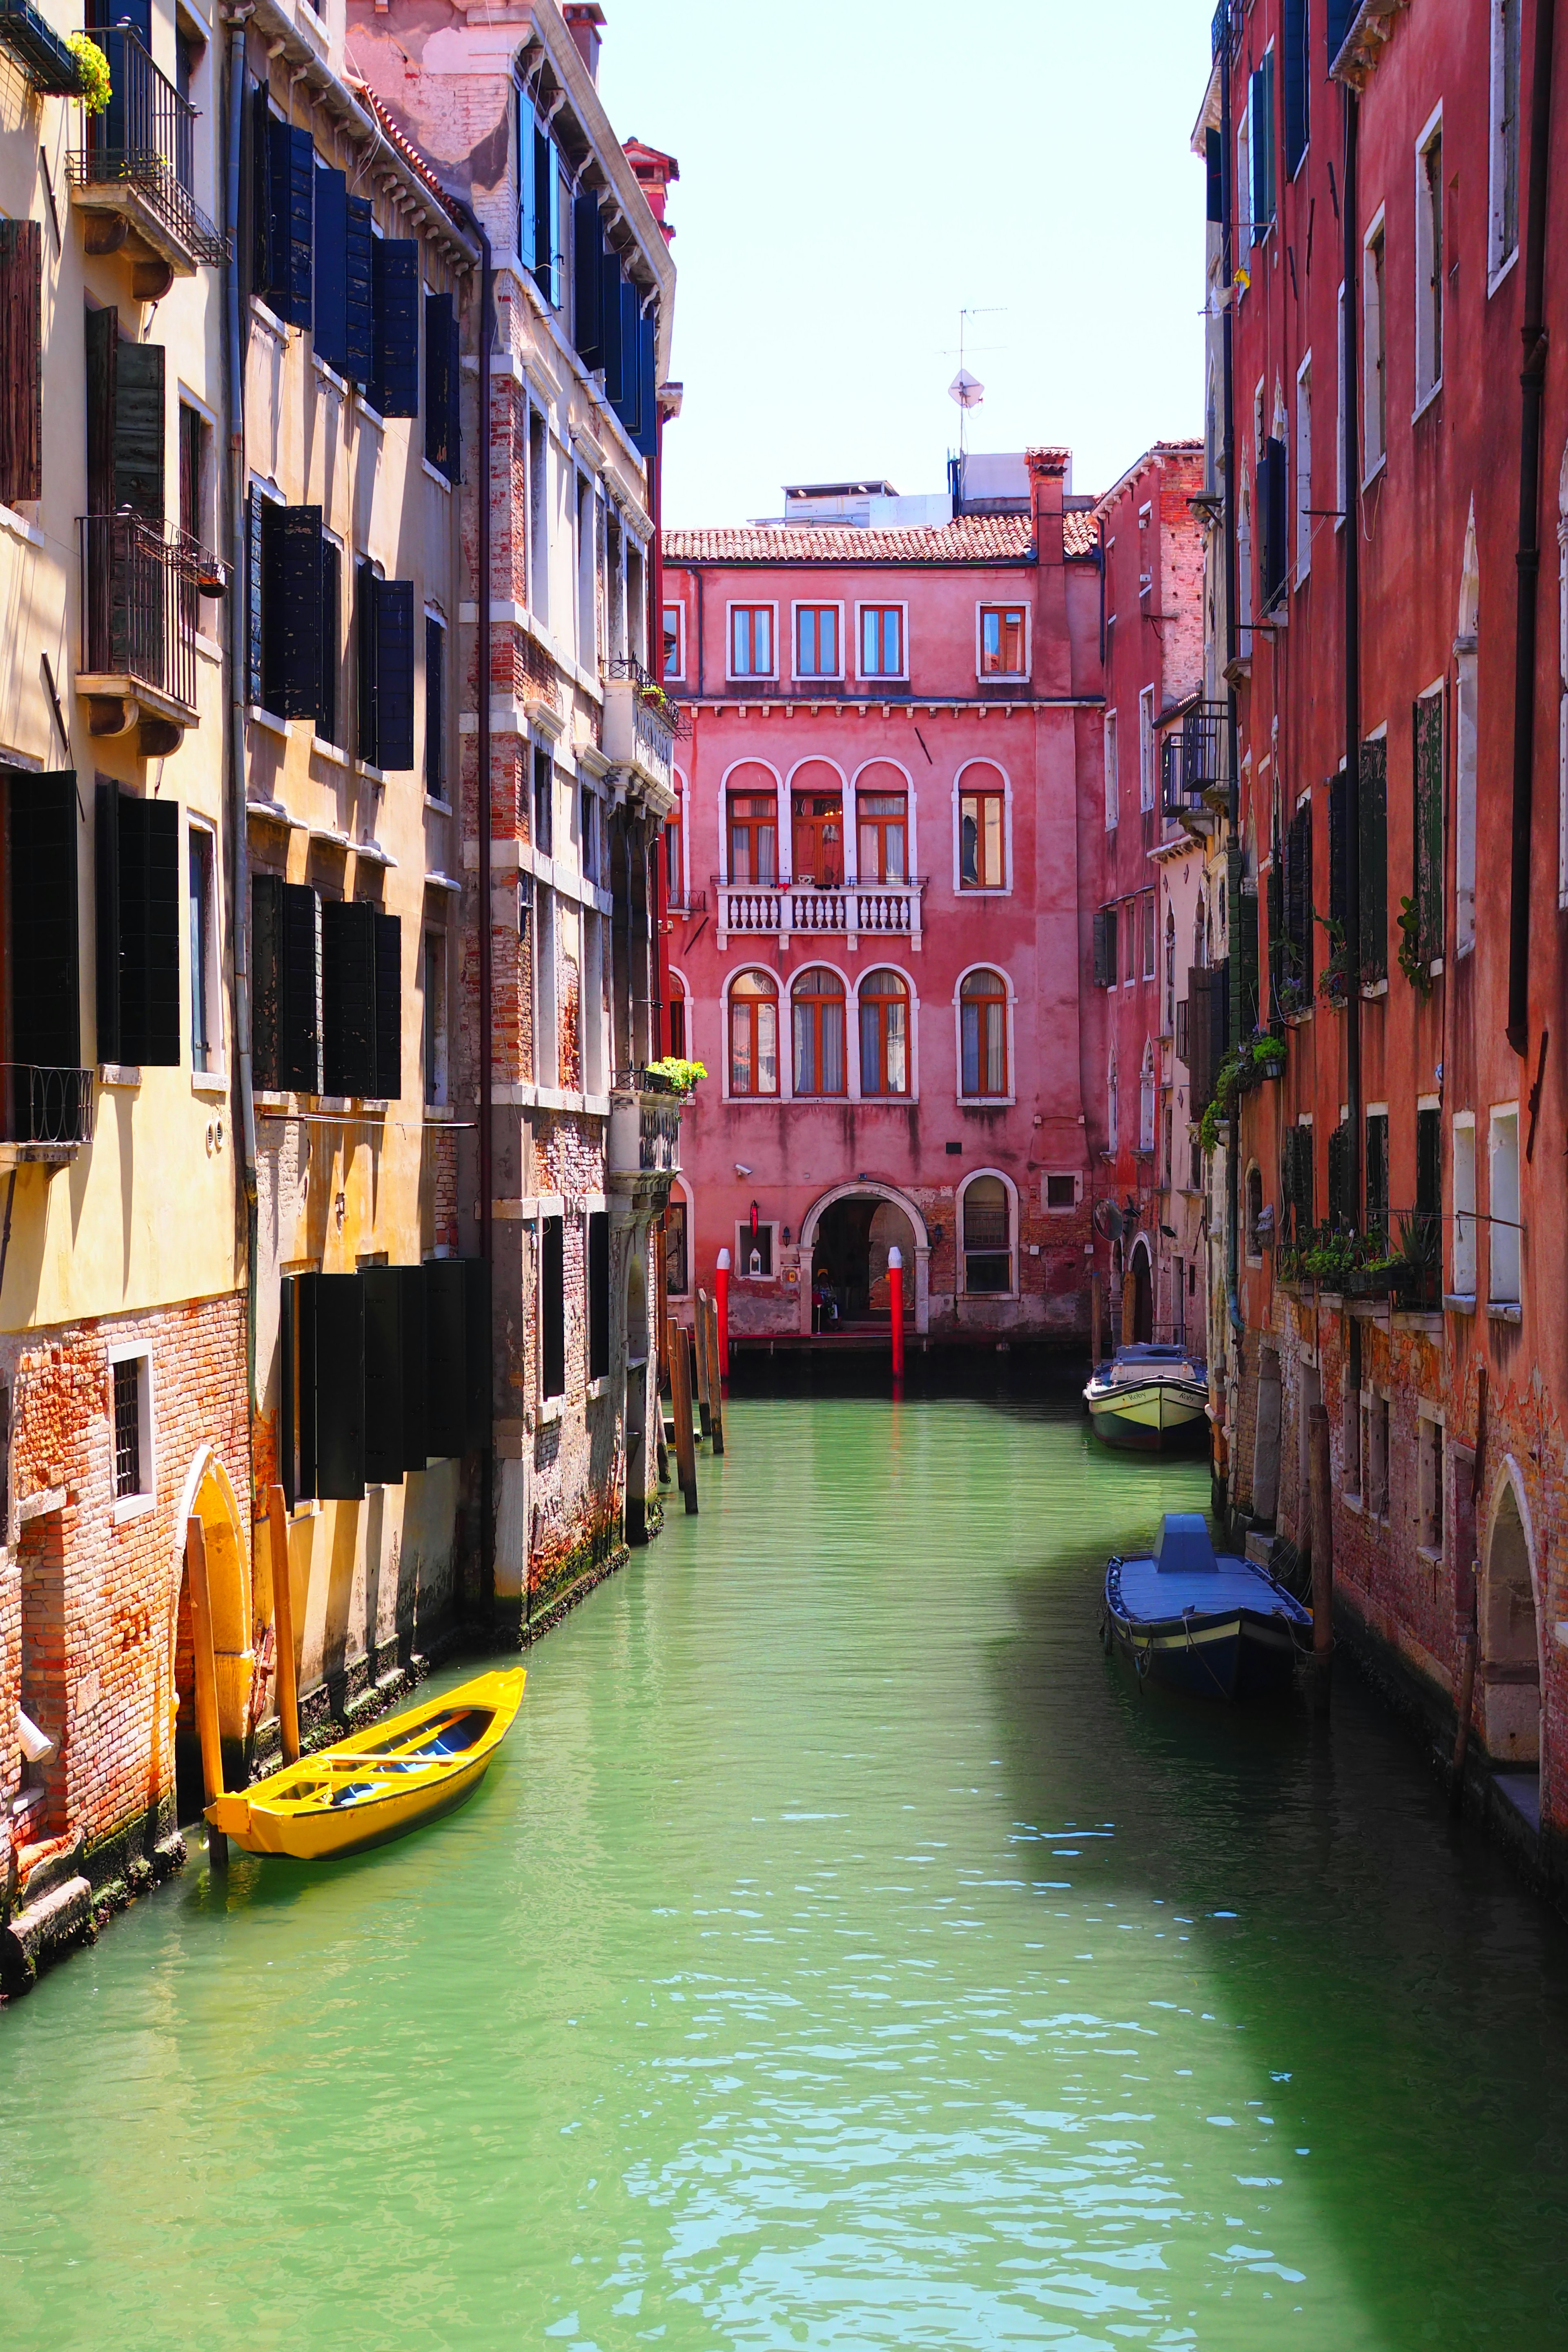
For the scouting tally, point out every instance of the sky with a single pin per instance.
(854, 173)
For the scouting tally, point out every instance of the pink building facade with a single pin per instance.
(873, 917)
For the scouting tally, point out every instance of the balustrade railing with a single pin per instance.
(139, 591)
(890, 909)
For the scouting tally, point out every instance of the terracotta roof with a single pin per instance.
(972, 539)
(398, 138)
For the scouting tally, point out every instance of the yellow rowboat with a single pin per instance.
(376, 1784)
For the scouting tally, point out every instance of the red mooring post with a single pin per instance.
(721, 1301)
(895, 1303)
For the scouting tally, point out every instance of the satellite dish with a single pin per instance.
(1108, 1221)
(966, 389)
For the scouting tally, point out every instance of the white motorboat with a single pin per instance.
(1150, 1396)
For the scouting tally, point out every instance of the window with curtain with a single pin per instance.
(754, 836)
(674, 855)
(818, 1007)
(676, 1017)
(819, 837)
(753, 1036)
(982, 1029)
(881, 641)
(979, 840)
(987, 1237)
(751, 641)
(884, 1034)
(1001, 641)
(882, 821)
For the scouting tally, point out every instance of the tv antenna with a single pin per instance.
(965, 389)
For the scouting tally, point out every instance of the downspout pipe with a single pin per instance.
(482, 474)
(239, 843)
(1227, 333)
(1352, 529)
(1532, 389)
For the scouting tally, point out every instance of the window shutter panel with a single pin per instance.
(1243, 953)
(1273, 505)
(445, 1383)
(415, 1377)
(1269, 134)
(299, 1061)
(1298, 910)
(365, 586)
(106, 894)
(102, 336)
(1101, 968)
(383, 1363)
(21, 361)
(629, 406)
(149, 932)
(587, 267)
(1219, 1011)
(139, 435)
(330, 302)
(1378, 1172)
(340, 1388)
(1374, 848)
(525, 185)
(1214, 166)
(552, 1304)
(265, 979)
(443, 385)
(45, 1003)
(292, 592)
(1233, 933)
(1341, 1208)
(395, 289)
(1294, 41)
(477, 1375)
(388, 944)
(1200, 1041)
(612, 317)
(256, 596)
(434, 709)
(598, 1294)
(299, 191)
(348, 998)
(1337, 17)
(267, 267)
(1276, 916)
(394, 674)
(1258, 143)
(304, 1297)
(1339, 846)
(545, 201)
(1112, 948)
(328, 723)
(1428, 1162)
(646, 437)
(1428, 731)
(287, 1404)
(359, 300)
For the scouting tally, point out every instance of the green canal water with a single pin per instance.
(841, 1954)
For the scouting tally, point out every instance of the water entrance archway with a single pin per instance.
(208, 1496)
(843, 1245)
(1510, 1646)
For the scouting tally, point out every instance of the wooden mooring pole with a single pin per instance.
(699, 1360)
(283, 1626)
(708, 1350)
(680, 1395)
(1320, 1498)
(206, 1666)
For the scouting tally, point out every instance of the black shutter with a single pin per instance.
(1214, 167)
(267, 264)
(1294, 39)
(588, 265)
(394, 674)
(303, 1297)
(366, 585)
(266, 980)
(1103, 973)
(292, 599)
(1378, 1172)
(300, 1060)
(1233, 871)
(1243, 962)
(106, 898)
(1428, 813)
(139, 434)
(1428, 1162)
(598, 1294)
(629, 408)
(384, 1357)
(443, 405)
(330, 321)
(434, 709)
(1342, 1206)
(285, 240)
(1200, 1041)
(340, 1388)
(1219, 1011)
(388, 941)
(358, 307)
(1275, 930)
(138, 894)
(476, 1375)
(1273, 509)
(446, 1385)
(1298, 901)
(288, 1403)
(544, 216)
(45, 1000)
(101, 336)
(611, 321)
(1338, 849)
(21, 361)
(646, 437)
(256, 596)
(415, 1376)
(395, 298)
(329, 724)
(348, 998)
(1373, 845)
(552, 1305)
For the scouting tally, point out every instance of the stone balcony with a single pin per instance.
(640, 728)
(643, 1146)
(848, 911)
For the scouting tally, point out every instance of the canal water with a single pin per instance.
(841, 1954)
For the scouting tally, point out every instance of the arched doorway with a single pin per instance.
(635, 1424)
(1143, 1292)
(208, 1496)
(848, 1233)
(1510, 1650)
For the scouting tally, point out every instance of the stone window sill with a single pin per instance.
(119, 1074)
(1502, 1310)
(1459, 1302)
(209, 1082)
(133, 1506)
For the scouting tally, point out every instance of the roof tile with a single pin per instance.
(972, 539)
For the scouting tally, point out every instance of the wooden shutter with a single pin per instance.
(1293, 35)
(21, 361)
(1243, 962)
(598, 1294)
(255, 596)
(138, 894)
(1428, 1162)
(477, 1354)
(1373, 845)
(646, 436)
(612, 319)
(348, 997)
(1104, 971)
(1275, 918)
(394, 674)
(294, 193)
(288, 1387)
(330, 305)
(1214, 168)
(1233, 871)
(300, 1025)
(292, 602)
(588, 265)
(395, 297)
(1182, 1034)
(266, 980)
(340, 1388)
(366, 585)
(1377, 1172)
(1200, 1041)
(552, 1305)
(359, 307)
(298, 1432)
(383, 1369)
(1273, 504)
(1337, 21)
(1342, 1206)
(629, 408)
(41, 876)
(101, 340)
(388, 942)
(434, 709)
(106, 895)
(546, 214)
(1298, 900)
(1428, 766)
(1263, 141)
(415, 1381)
(1338, 849)
(139, 435)
(446, 1356)
(1219, 1011)
(264, 263)
(329, 723)
(442, 385)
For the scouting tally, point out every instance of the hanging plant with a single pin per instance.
(681, 1077)
(92, 71)
(1412, 962)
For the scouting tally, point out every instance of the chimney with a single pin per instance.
(585, 22)
(654, 170)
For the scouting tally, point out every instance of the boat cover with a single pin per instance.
(1149, 1593)
(1182, 1542)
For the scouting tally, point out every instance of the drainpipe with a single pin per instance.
(1352, 529)
(1227, 331)
(659, 958)
(487, 1103)
(1532, 385)
(239, 845)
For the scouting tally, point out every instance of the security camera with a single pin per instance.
(742, 1171)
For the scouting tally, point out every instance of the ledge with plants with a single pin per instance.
(1258, 1057)
(673, 1076)
(1367, 1265)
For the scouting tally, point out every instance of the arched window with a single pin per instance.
(1200, 933)
(677, 1016)
(753, 1036)
(1110, 1107)
(752, 817)
(1146, 1100)
(884, 1034)
(674, 851)
(818, 1003)
(982, 1028)
(1170, 971)
(987, 1237)
(1254, 1210)
(817, 802)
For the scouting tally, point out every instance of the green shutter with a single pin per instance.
(1428, 733)
(1372, 844)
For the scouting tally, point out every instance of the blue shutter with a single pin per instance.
(359, 299)
(1294, 38)
(435, 709)
(525, 190)
(384, 1290)
(366, 585)
(394, 284)
(395, 673)
(442, 384)
(289, 203)
(545, 217)
(329, 324)
(646, 434)
(611, 354)
(1214, 166)
(1337, 17)
(291, 581)
(629, 408)
(587, 247)
(255, 529)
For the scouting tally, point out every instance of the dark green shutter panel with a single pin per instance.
(299, 1022)
(101, 340)
(1373, 845)
(1298, 904)
(1339, 850)
(21, 361)
(304, 1299)
(1276, 931)
(384, 1367)
(138, 893)
(45, 1000)
(365, 586)
(646, 435)
(328, 722)
(1244, 957)
(348, 998)
(256, 596)
(434, 709)
(1429, 1183)
(287, 1401)
(1429, 828)
(266, 980)
(106, 898)
(612, 320)
(1341, 1208)
(1113, 968)
(395, 290)
(476, 1375)
(1233, 868)
(1219, 1010)
(329, 305)
(1101, 959)
(260, 158)
(1200, 1041)
(139, 435)
(544, 216)
(598, 1294)
(394, 674)
(552, 1304)
(1273, 506)
(1214, 168)
(629, 408)
(1378, 1172)
(359, 307)
(291, 597)
(388, 938)
(588, 265)
(416, 1372)
(293, 194)
(446, 1356)
(1294, 37)
(340, 1388)
(443, 385)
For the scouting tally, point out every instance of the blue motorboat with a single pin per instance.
(1203, 1621)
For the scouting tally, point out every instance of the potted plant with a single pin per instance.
(673, 1076)
(92, 72)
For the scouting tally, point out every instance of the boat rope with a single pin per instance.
(1197, 1654)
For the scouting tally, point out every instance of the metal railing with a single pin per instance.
(38, 50)
(145, 139)
(650, 693)
(48, 1106)
(139, 605)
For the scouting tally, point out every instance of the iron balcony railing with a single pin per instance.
(650, 693)
(39, 49)
(41, 1106)
(145, 139)
(140, 582)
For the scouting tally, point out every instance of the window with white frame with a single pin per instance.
(1111, 783)
(1374, 355)
(818, 652)
(1462, 1273)
(1112, 1106)
(881, 641)
(1146, 748)
(434, 979)
(1502, 238)
(1004, 634)
(1304, 469)
(983, 1036)
(756, 1250)
(1429, 260)
(1502, 1206)
(131, 1381)
(985, 1214)
(751, 641)
(674, 641)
